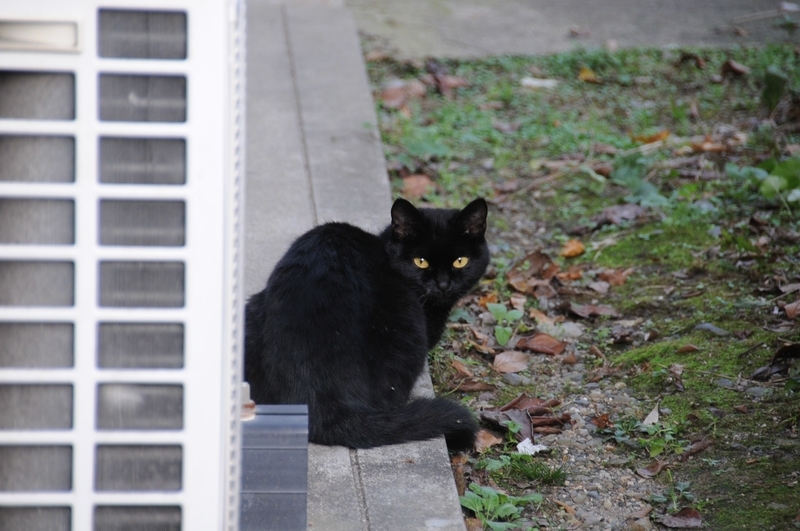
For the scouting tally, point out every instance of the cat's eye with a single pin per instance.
(421, 263)
(460, 262)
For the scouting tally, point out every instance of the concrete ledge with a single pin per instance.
(314, 155)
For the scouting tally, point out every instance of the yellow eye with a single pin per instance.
(421, 263)
(460, 262)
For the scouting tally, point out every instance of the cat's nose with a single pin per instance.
(442, 283)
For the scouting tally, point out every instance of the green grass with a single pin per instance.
(710, 249)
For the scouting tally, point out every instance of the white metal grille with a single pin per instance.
(120, 325)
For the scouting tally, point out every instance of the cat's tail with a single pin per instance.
(418, 419)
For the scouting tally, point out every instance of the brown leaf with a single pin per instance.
(542, 343)
(573, 273)
(603, 168)
(458, 461)
(461, 369)
(547, 430)
(732, 68)
(649, 139)
(651, 470)
(540, 317)
(518, 301)
(684, 519)
(486, 439)
(687, 348)
(415, 186)
(551, 421)
(572, 249)
(569, 359)
(615, 277)
(601, 421)
(792, 310)
(397, 93)
(525, 402)
(591, 310)
(696, 448)
(688, 57)
(500, 418)
(587, 75)
(565, 506)
(741, 408)
(489, 298)
(599, 286)
(471, 386)
(511, 361)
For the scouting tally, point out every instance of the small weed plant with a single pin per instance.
(505, 320)
(675, 495)
(496, 510)
(656, 439)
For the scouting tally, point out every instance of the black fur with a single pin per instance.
(347, 319)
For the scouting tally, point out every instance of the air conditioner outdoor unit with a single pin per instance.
(120, 264)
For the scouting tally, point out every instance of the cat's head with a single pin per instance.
(442, 251)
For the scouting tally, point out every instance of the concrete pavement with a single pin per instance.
(471, 28)
(314, 155)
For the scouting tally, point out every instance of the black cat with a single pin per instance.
(347, 319)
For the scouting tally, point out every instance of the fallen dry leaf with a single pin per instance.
(615, 277)
(649, 139)
(600, 286)
(684, 519)
(572, 249)
(461, 369)
(688, 57)
(511, 361)
(587, 75)
(458, 461)
(601, 421)
(651, 470)
(591, 310)
(542, 343)
(741, 408)
(565, 506)
(485, 440)
(687, 348)
(397, 93)
(733, 68)
(569, 359)
(489, 298)
(651, 417)
(539, 316)
(792, 310)
(525, 402)
(415, 186)
(471, 386)
(696, 448)
(518, 301)
(573, 273)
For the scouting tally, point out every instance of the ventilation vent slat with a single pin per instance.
(36, 345)
(35, 518)
(139, 407)
(128, 98)
(138, 468)
(29, 283)
(140, 346)
(141, 34)
(142, 284)
(142, 160)
(148, 223)
(37, 96)
(37, 221)
(35, 407)
(35, 468)
(49, 159)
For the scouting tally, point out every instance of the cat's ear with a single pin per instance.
(472, 219)
(406, 220)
